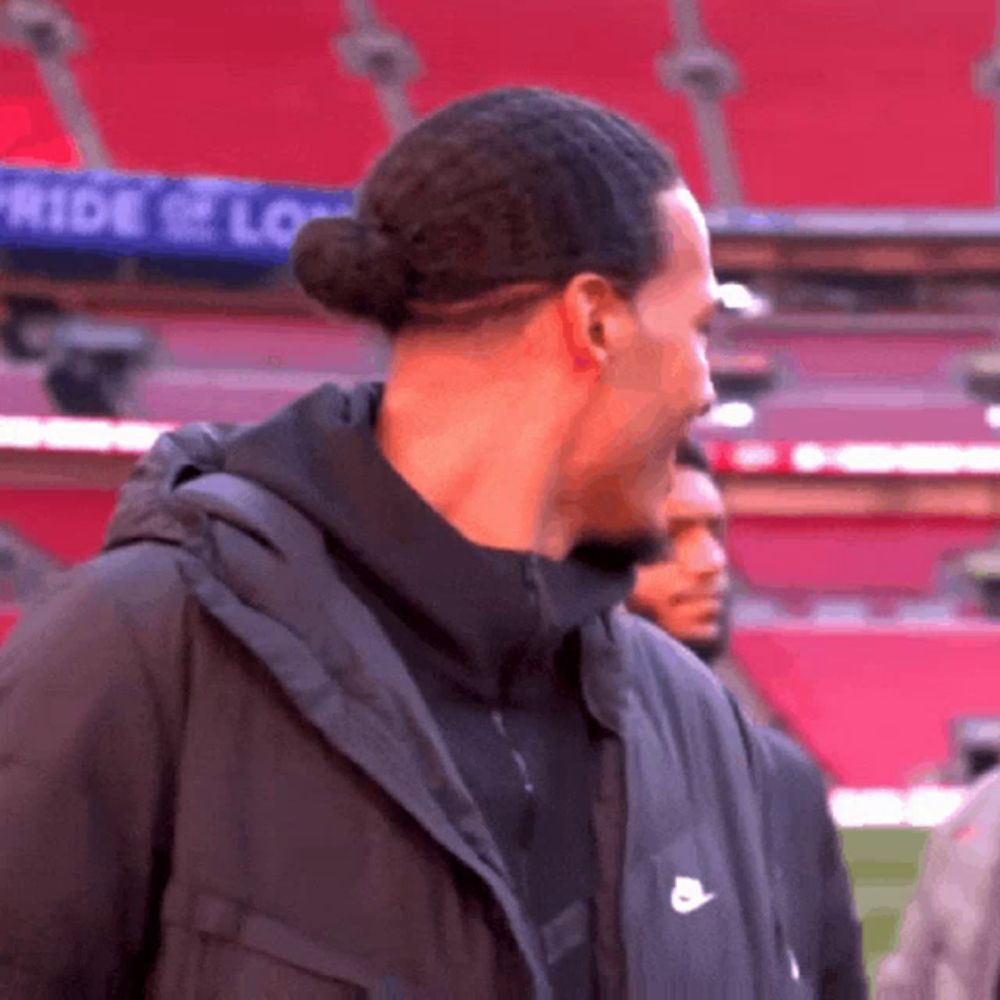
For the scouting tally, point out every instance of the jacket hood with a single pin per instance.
(493, 618)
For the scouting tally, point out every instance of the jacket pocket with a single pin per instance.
(214, 948)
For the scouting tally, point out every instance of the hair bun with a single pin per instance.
(353, 269)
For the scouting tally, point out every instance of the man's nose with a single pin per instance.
(711, 556)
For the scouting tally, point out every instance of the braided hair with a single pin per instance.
(513, 190)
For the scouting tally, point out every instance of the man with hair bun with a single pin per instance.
(348, 705)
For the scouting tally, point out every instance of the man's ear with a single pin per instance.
(596, 320)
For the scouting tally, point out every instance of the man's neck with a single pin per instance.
(481, 439)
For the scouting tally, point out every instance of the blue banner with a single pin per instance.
(138, 215)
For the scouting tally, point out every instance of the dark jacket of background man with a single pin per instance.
(687, 594)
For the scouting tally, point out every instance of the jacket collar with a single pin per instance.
(320, 455)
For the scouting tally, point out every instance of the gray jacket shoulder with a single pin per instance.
(672, 683)
(947, 944)
(660, 663)
(791, 761)
(141, 585)
(119, 622)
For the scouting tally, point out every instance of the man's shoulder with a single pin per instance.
(144, 578)
(788, 759)
(104, 643)
(129, 598)
(793, 781)
(979, 810)
(671, 682)
(660, 662)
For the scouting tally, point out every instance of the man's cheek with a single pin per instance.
(688, 620)
(677, 620)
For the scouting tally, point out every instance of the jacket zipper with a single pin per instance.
(529, 811)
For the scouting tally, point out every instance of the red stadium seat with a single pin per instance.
(30, 131)
(874, 704)
(597, 50)
(251, 90)
(255, 90)
(22, 392)
(826, 419)
(68, 523)
(854, 102)
(239, 397)
(270, 344)
(862, 386)
(851, 555)
(816, 355)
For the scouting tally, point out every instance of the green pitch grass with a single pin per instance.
(884, 864)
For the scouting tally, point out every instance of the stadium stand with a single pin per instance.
(68, 523)
(826, 414)
(222, 341)
(193, 396)
(308, 121)
(847, 382)
(829, 388)
(873, 555)
(30, 131)
(924, 357)
(874, 703)
(22, 390)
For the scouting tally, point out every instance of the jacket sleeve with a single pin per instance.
(842, 975)
(908, 973)
(927, 936)
(83, 785)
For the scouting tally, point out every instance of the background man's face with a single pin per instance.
(685, 593)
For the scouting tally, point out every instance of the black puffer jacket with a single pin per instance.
(218, 779)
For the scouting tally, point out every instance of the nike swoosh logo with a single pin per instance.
(684, 903)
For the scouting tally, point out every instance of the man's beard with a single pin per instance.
(622, 554)
(710, 650)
